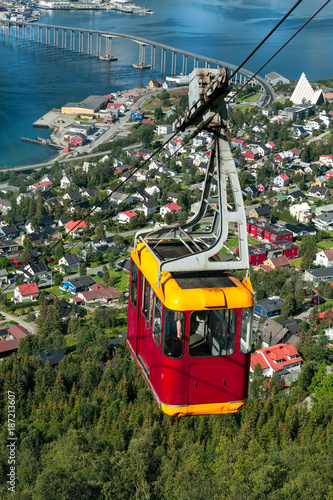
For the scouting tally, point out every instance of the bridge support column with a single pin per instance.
(152, 57)
(48, 36)
(56, 37)
(72, 40)
(89, 48)
(80, 42)
(98, 45)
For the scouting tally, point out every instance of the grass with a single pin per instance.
(249, 98)
(296, 262)
(325, 244)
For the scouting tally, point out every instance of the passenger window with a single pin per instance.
(246, 330)
(157, 326)
(212, 333)
(134, 284)
(146, 299)
(173, 333)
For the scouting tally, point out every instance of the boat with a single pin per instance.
(141, 66)
(108, 58)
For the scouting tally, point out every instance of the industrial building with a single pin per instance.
(89, 106)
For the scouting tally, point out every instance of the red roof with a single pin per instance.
(18, 331)
(280, 352)
(98, 291)
(329, 253)
(43, 184)
(284, 177)
(173, 206)
(130, 214)
(73, 225)
(28, 289)
(272, 145)
(8, 345)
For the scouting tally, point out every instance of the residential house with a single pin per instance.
(126, 217)
(301, 229)
(9, 232)
(317, 275)
(65, 181)
(281, 180)
(8, 246)
(296, 195)
(5, 205)
(263, 213)
(164, 129)
(321, 193)
(268, 232)
(256, 255)
(74, 197)
(324, 221)
(100, 293)
(75, 285)
(301, 211)
(324, 258)
(280, 358)
(90, 193)
(26, 292)
(148, 207)
(75, 227)
(290, 250)
(41, 186)
(277, 262)
(251, 191)
(69, 263)
(52, 357)
(170, 207)
(268, 308)
(279, 198)
(271, 333)
(3, 277)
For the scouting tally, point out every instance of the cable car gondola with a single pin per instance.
(189, 318)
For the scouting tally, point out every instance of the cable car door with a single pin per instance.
(145, 323)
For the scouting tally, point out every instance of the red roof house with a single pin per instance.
(26, 292)
(281, 358)
(74, 227)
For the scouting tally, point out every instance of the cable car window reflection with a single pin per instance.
(246, 330)
(134, 284)
(157, 325)
(212, 333)
(173, 333)
(147, 297)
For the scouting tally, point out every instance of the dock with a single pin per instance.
(40, 141)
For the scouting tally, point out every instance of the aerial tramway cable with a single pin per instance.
(204, 124)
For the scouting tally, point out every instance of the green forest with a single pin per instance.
(87, 430)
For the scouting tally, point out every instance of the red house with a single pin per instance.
(256, 256)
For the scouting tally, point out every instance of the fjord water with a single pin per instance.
(35, 78)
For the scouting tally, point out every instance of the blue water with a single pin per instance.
(35, 78)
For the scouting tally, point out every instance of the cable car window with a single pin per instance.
(246, 330)
(212, 333)
(157, 325)
(134, 284)
(147, 299)
(173, 333)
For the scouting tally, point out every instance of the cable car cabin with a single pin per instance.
(191, 335)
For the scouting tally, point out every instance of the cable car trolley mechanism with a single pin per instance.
(189, 318)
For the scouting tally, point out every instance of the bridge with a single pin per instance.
(99, 44)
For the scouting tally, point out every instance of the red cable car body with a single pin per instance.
(189, 319)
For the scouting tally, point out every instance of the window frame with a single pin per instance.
(214, 340)
(157, 335)
(134, 285)
(248, 330)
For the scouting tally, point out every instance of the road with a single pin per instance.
(318, 137)
(31, 327)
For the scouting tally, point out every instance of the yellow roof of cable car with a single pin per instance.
(236, 295)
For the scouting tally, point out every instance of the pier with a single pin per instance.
(153, 56)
